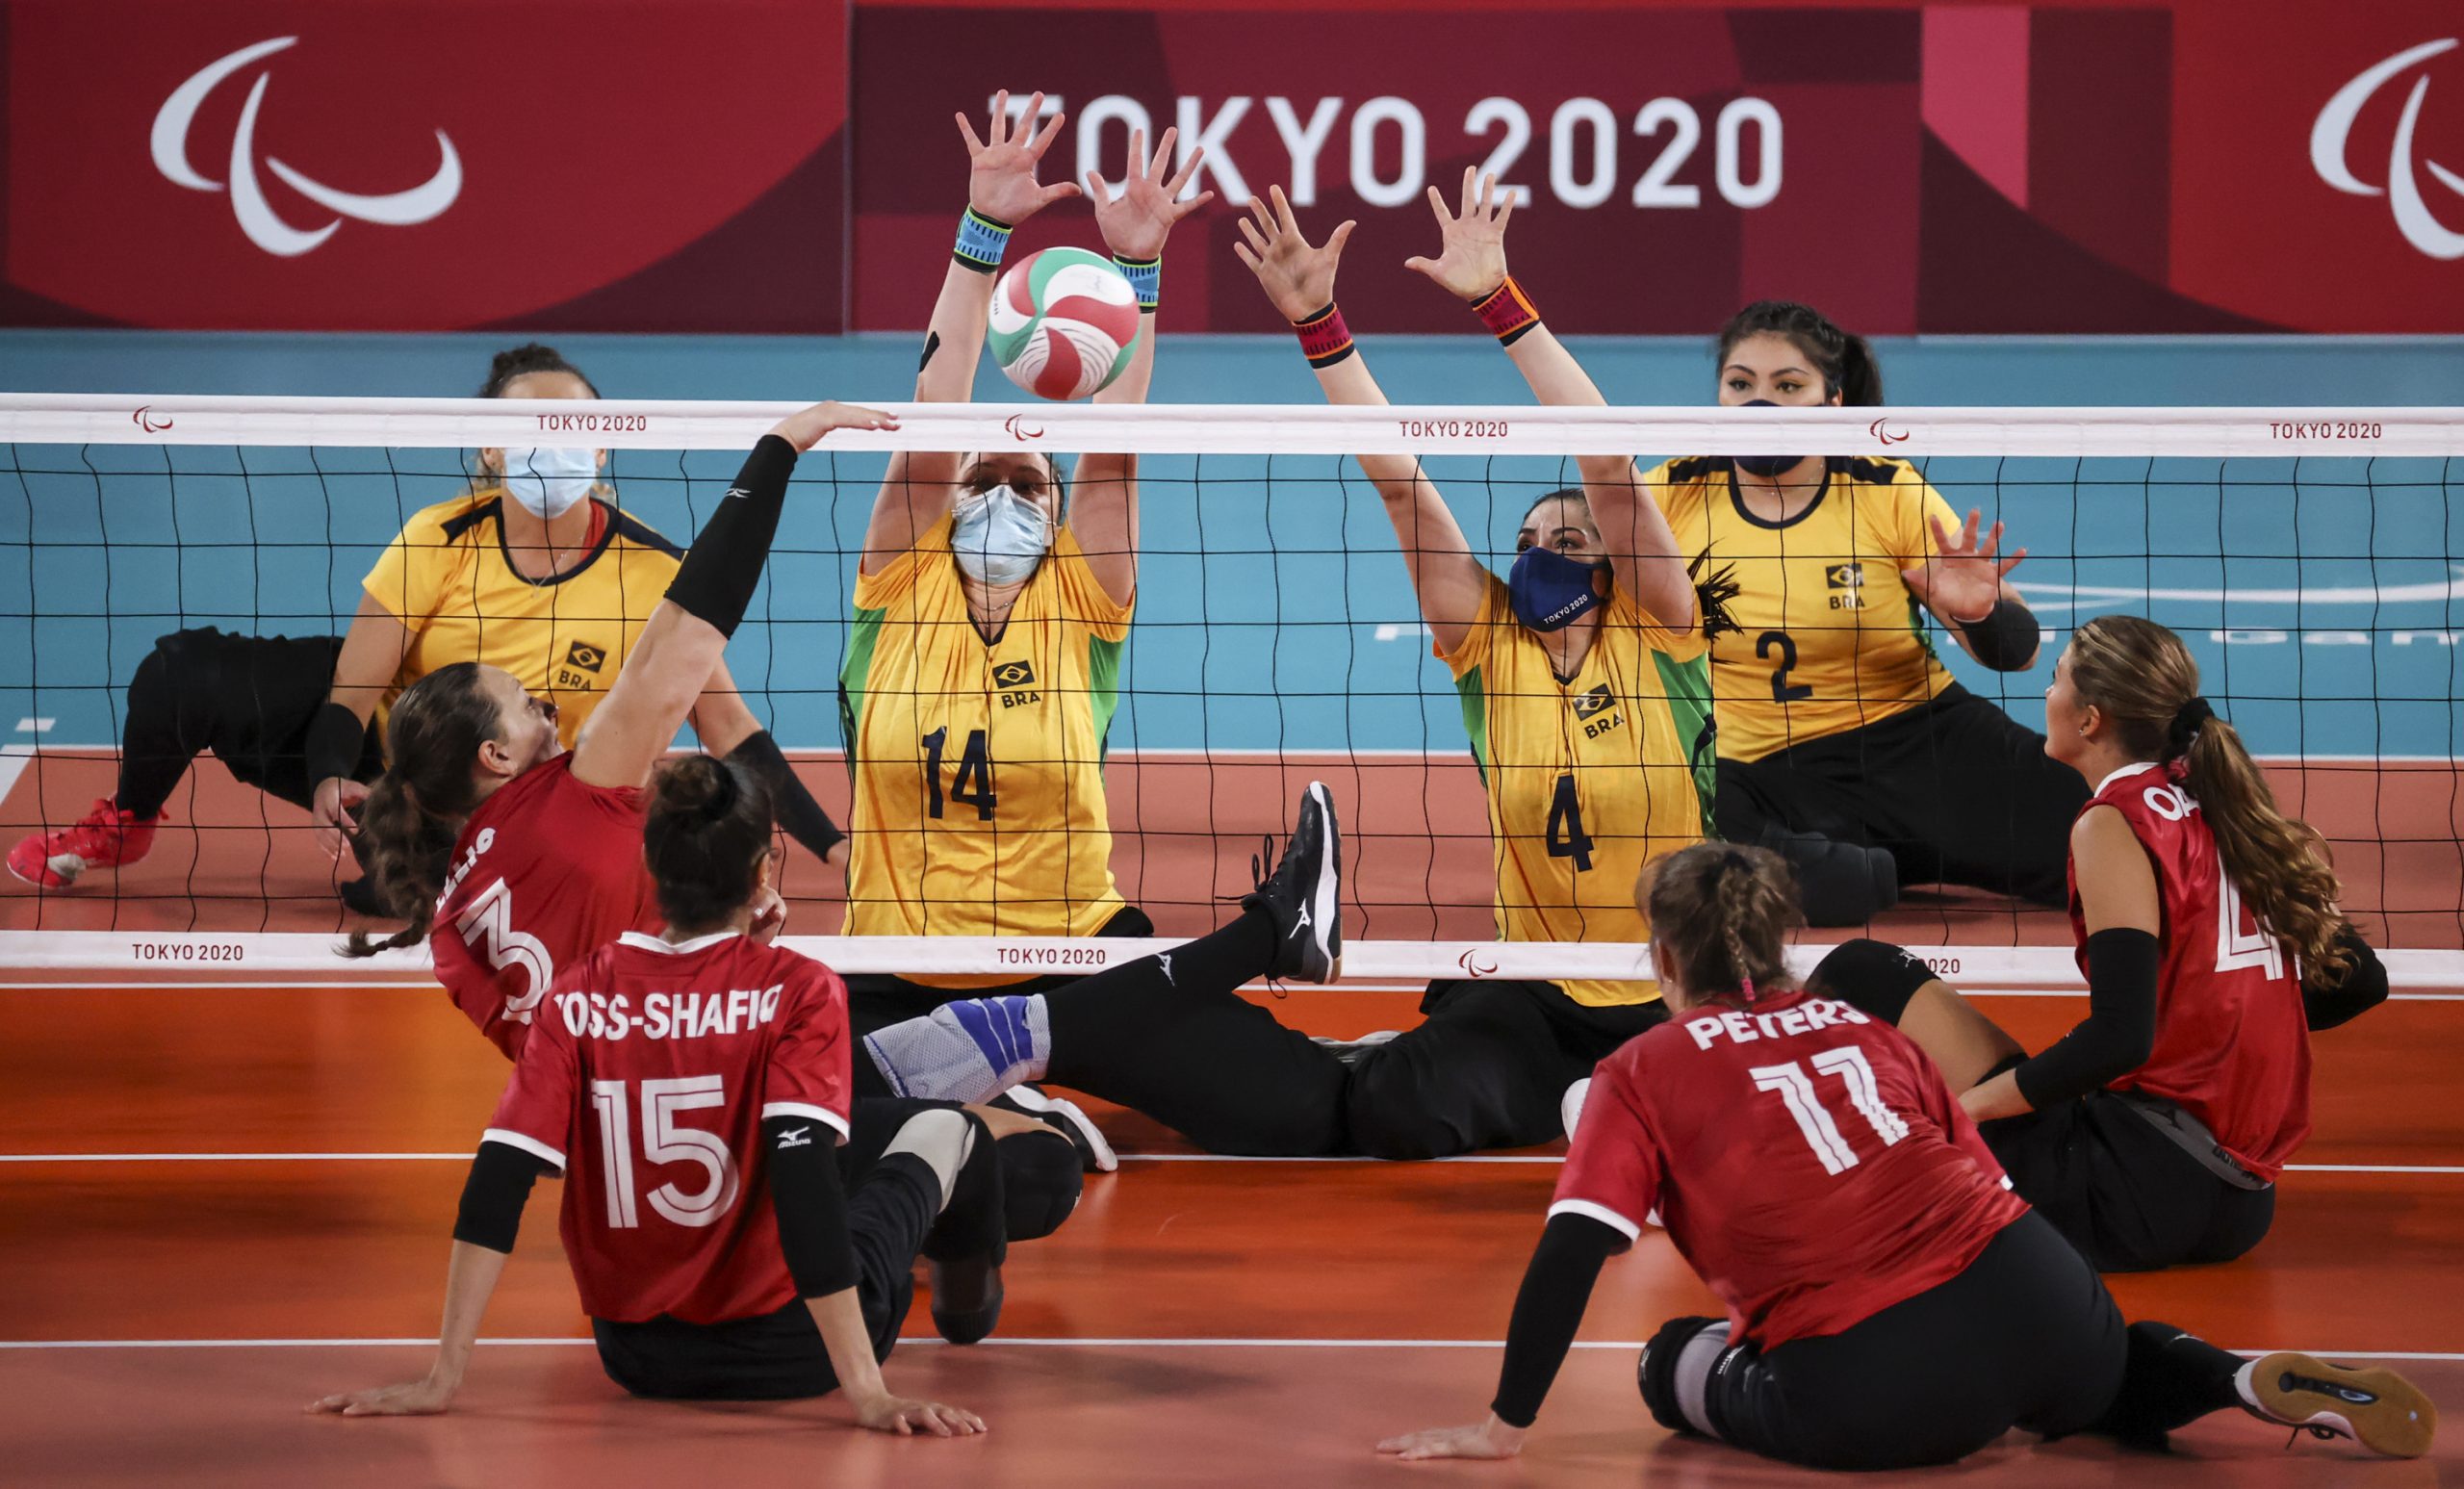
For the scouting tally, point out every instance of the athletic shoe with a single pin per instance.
(104, 838)
(2377, 1408)
(1570, 1105)
(1302, 895)
(359, 897)
(1066, 1118)
(1352, 1052)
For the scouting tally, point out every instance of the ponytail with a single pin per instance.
(2142, 677)
(1860, 376)
(415, 811)
(1846, 362)
(1721, 914)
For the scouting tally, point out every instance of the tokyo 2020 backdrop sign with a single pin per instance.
(790, 164)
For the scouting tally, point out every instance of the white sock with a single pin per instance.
(2241, 1386)
(942, 1138)
(971, 1050)
(1696, 1363)
(1570, 1105)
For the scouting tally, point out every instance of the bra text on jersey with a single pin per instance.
(1744, 1028)
(668, 1015)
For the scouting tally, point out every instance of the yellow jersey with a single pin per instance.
(1589, 778)
(1830, 637)
(448, 580)
(978, 788)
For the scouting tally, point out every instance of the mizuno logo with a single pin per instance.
(736, 491)
(796, 1136)
(256, 216)
(1164, 962)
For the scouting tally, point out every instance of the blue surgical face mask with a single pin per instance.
(1551, 591)
(999, 536)
(549, 483)
(1766, 465)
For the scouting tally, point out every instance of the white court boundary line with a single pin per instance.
(1098, 1343)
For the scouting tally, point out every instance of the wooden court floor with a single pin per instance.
(220, 1199)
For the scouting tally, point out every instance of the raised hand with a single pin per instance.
(1298, 277)
(1471, 258)
(1135, 223)
(804, 427)
(1001, 168)
(906, 1418)
(1962, 581)
(1489, 1439)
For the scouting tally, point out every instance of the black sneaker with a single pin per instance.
(359, 897)
(2377, 1408)
(1066, 1118)
(1302, 895)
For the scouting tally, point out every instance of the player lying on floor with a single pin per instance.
(1891, 1303)
(738, 1227)
(2206, 922)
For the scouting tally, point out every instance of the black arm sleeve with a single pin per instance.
(812, 1206)
(493, 1197)
(794, 807)
(2006, 639)
(1557, 1288)
(336, 742)
(2362, 988)
(724, 566)
(2119, 1030)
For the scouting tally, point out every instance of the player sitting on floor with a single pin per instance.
(2206, 923)
(1891, 1303)
(693, 1088)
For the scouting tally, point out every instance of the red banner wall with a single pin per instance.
(788, 166)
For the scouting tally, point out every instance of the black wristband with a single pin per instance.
(794, 807)
(494, 1195)
(2119, 1030)
(2006, 638)
(810, 1204)
(1548, 1309)
(2362, 988)
(337, 742)
(724, 566)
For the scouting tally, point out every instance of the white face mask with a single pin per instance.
(999, 537)
(549, 483)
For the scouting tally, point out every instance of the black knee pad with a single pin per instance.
(1656, 1372)
(1872, 977)
(1041, 1178)
(1839, 884)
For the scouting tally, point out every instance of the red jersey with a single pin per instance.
(2232, 1044)
(1807, 1160)
(548, 870)
(653, 1068)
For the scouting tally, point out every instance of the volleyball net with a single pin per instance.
(2309, 557)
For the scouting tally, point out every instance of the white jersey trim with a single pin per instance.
(823, 1114)
(1600, 1213)
(2126, 770)
(529, 1145)
(665, 947)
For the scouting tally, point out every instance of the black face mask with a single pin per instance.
(1766, 465)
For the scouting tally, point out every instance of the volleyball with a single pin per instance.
(1064, 323)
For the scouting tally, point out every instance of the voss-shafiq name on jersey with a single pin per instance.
(1830, 637)
(648, 1074)
(549, 869)
(1588, 779)
(1805, 1159)
(2232, 1042)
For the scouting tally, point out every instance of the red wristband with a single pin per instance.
(1324, 339)
(1506, 310)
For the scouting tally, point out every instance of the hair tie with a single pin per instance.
(1745, 988)
(723, 795)
(2186, 725)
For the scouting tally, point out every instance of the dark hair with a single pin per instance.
(2140, 675)
(415, 811)
(1723, 912)
(1845, 362)
(1052, 469)
(706, 836)
(522, 361)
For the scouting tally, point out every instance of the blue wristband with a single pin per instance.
(981, 240)
(1145, 277)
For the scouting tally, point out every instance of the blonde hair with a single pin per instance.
(2140, 678)
(1722, 913)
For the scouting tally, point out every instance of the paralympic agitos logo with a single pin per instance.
(2329, 132)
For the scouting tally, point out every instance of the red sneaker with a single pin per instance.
(104, 838)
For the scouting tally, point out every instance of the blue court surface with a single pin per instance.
(2325, 598)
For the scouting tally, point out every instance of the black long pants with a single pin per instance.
(890, 1205)
(1171, 1037)
(1956, 790)
(250, 699)
(876, 1000)
(2026, 1337)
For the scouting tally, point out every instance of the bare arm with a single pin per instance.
(469, 1282)
(1103, 509)
(1001, 185)
(839, 1318)
(1642, 551)
(1301, 280)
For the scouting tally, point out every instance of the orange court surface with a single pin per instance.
(228, 1193)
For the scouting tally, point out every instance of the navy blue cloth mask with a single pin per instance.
(1766, 465)
(1551, 591)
